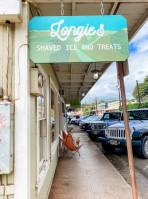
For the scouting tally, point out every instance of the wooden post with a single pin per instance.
(127, 132)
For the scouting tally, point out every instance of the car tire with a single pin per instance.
(108, 148)
(143, 149)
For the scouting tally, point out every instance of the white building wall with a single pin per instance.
(22, 182)
(7, 86)
(113, 105)
(22, 109)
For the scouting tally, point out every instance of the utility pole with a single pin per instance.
(138, 94)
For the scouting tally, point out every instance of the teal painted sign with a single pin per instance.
(78, 39)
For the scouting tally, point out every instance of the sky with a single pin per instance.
(106, 88)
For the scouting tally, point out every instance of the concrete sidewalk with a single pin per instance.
(90, 176)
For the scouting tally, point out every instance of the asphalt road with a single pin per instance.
(120, 162)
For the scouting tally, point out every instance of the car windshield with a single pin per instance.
(113, 116)
(138, 115)
(89, 118)
(98, 118)
(95, 118)
(84, 117)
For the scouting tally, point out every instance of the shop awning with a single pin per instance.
(75, 78)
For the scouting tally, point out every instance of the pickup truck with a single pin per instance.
(115, 137)
(97, 127)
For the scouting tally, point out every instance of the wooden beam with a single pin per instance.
(65, 87)
(55, 74)
(113, 10)
(91, 1)
(71, 91)
(71, 73)
(74, 72)
(88, 70)
(81, 88)
(73, 8)
(75, 81)
(74, 89)
(85, 83)
(103, 70)
(138, 25)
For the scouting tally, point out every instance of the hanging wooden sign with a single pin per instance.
(78, 39)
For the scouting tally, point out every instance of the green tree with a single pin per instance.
(143, 89)
(92, 105)
(86, 111)
(135, 106)
(75, 103)
(101, 101)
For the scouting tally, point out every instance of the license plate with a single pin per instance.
(113, 142)
(95, 133)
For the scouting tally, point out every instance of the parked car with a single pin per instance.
(69, 118)
(52, 121)
(96, 128)
(115, 134)
(86, 125)
(80, 119)
(86, 119)
(74, 119)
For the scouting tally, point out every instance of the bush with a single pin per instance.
(75, 103)
(135, 106)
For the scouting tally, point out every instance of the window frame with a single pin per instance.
(43, 165)
(54, 144)
(55, 115)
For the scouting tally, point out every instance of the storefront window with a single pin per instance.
(41, 107)
(53, 111)
(42, 124)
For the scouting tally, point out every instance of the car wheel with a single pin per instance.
(108, 148)
(143, 149)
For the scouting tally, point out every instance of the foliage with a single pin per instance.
(101, 101)
(75, 103)
(52, 112)
(130, 101)
(143, 89)
(86, 111)
(135, 106)
(112, 101)
(145, 99)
